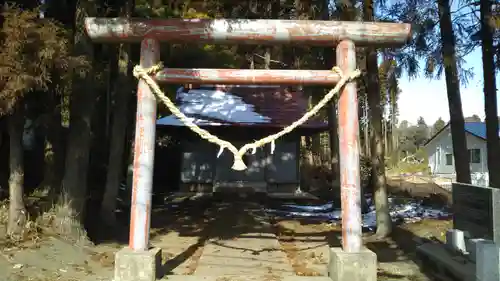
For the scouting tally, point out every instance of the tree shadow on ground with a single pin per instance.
(399, 247)
(205, 219)
(214, 219)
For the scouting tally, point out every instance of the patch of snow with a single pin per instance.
(401, 210)
(214, 104)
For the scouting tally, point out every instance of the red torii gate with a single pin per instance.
(343, 35)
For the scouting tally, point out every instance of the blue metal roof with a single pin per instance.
(476, 128)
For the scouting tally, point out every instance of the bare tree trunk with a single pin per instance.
(54, 146)
(384, 222)
(334, 139)
(309, 143)
(367, 127)
(4, 158)
(384, 130)
(17, 210)
(490, 93)
(306, 164)
(395, 140)
(267, 58)
(119, 127)
(308, 155)
(392, 135)
(252, 62)
(457, 125)
(308, 13)
(330, 61)
(74, 193)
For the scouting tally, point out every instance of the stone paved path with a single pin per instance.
(242, 242)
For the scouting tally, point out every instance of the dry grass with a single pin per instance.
(430, 229)
(60, 220)
(31, 230)
(57, 221)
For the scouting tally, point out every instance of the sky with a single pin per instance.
(427, 98)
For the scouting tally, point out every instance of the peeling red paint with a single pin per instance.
(350, 189)
(238, 31)
(143, 153)
(247, 76)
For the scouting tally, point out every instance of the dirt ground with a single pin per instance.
(214, 237)
(418, 187)
(306, 244)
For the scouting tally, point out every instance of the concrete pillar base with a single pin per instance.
(345, 266)
(487, 261)
(133, 265)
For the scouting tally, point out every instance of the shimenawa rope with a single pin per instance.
(238, 164)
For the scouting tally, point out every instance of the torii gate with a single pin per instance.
(353, 262)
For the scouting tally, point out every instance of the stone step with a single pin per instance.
(244, 278)
(437, 260)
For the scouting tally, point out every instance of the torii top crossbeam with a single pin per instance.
(244, 31)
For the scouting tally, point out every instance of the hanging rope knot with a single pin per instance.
(238, 163)
(347, 78)
(140, 72)
(338, 71)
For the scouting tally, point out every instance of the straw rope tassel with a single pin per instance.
(238, 164)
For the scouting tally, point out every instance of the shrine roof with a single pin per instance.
(254, 105)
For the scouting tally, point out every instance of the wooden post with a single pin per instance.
(144, 149)
(350, 188)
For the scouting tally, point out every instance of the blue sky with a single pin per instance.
(427, 98)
